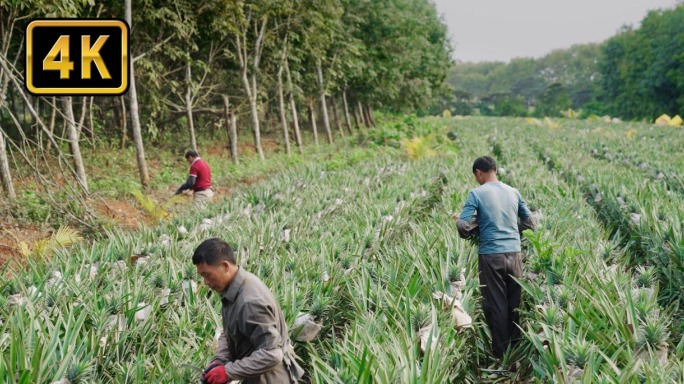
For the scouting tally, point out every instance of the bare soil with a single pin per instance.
(12, 235)
(124, 213)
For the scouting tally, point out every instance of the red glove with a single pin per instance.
(217, 375)
(212, 365)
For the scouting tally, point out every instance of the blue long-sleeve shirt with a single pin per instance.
(498, 207)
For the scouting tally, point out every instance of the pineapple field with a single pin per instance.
(360, 246)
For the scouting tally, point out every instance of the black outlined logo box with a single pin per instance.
(77, 57)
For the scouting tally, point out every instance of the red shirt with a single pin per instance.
(200, 169)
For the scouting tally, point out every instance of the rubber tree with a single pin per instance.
(133, 110)
(251, 21)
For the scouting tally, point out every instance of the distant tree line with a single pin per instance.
(636, 74)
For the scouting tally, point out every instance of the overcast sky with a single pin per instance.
(486, 30)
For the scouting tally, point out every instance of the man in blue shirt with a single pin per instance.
(493, 210)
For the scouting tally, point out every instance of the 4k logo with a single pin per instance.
(77, 57)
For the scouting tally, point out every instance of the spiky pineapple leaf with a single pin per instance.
(24, 249)
(156, 211)
(64, 237)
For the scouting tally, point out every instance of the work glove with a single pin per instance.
(217, 375)
(211, 366)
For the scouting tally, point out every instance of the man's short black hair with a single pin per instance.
(484, 164)
(213, 252)
(191, 153)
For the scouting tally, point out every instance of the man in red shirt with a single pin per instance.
(199, 179)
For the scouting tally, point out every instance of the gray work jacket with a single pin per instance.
(255, 345)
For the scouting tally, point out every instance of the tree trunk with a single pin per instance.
(13, 101)
(346, 112)
(252, 92)
(281, 105)
(293, 108)
(135, 117)
(4, 84)
(367, 116)
(233, 127)
(36, 106)
(90, 119)
(122, 122)
(312, 118)
(5, 174)
(370, 115)
(256, 129)
(335, 116)
(64, 127)
(188, 107)
(232, 131)
(81, 120)
(324, 108)
(73, 137)
(251, 96)
(52, 123)
(39, 133)
(24, 112)
(357, 121)
(362, 114)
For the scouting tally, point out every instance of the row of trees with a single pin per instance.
(562, 79)
(259, 64)
(643, 68)
(636, 74)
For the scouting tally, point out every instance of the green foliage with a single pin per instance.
(405, 79)
(63, 237)
(157, 212)
(30, 207)
(348, 158)
(503, 104)
(579, 353)
(79, 373)
(417, 138)
(510, 89)
(593, 108)
(554, 100)
(652, 334)
(418, 148)
(642, 70)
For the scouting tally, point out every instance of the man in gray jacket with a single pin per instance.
(255, 345)
(499, 214)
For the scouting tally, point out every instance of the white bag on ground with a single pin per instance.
(285, 235)
(164, 293)
(117, 321)
(144, 312)
(424, 334)
(459, 316)
(17, 300)
(188, 285)
(305, 328)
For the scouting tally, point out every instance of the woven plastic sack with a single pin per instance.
(306, 328)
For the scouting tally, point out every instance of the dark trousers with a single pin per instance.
(501, 297)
